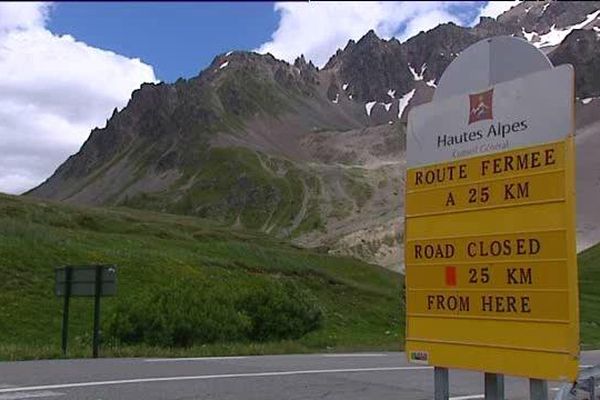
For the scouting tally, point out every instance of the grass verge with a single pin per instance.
(360, 303)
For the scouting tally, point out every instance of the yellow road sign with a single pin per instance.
(531, 189)
(545, 245)
(490, 262)
(511, 274)
(537, 304)
(512, 163)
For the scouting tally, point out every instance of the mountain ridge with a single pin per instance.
(307, 154)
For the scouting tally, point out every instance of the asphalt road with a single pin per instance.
(354, 376)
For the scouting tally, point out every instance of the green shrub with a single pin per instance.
(179, 314)
(281, 311)
(183, 314)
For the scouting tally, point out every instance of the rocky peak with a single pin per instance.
(336, 59)
(369, 42)
(542, 16)
(308, 71)
(581, 48)
(434, 50)
(488, 27)
(371, 68)
(370, 39)
(300, 62)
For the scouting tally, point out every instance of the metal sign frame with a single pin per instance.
(84, 281)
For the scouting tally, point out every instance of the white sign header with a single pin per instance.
(534, 109)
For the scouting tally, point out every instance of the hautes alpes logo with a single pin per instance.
(480, 106)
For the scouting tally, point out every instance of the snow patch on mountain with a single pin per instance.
(556, 36)
(419, 76)
(344, 86)
(404, 100)
(529, 36)
(391, 93)
(337, 98)
(545, 7)
(369, 106)
(387, 106)
(226, 63)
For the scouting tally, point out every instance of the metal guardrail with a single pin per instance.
(585, 388)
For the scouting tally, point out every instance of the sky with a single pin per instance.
(177, 40)
(64, 67)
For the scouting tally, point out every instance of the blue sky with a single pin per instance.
(177, 39)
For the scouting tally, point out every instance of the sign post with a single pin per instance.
(85, 281)
(490, 260)
(65, 322)
(538, 389)
(441, 384)
(97, 291)
(494, 386)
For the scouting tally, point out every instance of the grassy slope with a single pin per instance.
(232, 186)
(361, 302)
(589, 297)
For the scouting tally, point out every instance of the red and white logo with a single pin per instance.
(480, 106)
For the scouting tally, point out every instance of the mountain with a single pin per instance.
(315, 156)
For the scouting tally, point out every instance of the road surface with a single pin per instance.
(355, 376)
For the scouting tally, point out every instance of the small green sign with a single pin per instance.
(83, 281)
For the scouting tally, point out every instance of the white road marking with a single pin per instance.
(353, 355)
(29, 395)
(203, 377)
(193, 359)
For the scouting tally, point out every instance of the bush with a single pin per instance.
(281, 311)
(183, 314)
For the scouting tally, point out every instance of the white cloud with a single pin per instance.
(427, 21)
(23, 15)
(53, 91)
(318, 29)
(494, 8)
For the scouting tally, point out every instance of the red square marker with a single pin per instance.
(481, 106)
(450, 276)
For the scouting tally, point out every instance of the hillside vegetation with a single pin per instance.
(248, 293)
(589, 297)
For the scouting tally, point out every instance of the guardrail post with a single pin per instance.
(494, 386)
(538, 389)
(441, 385)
